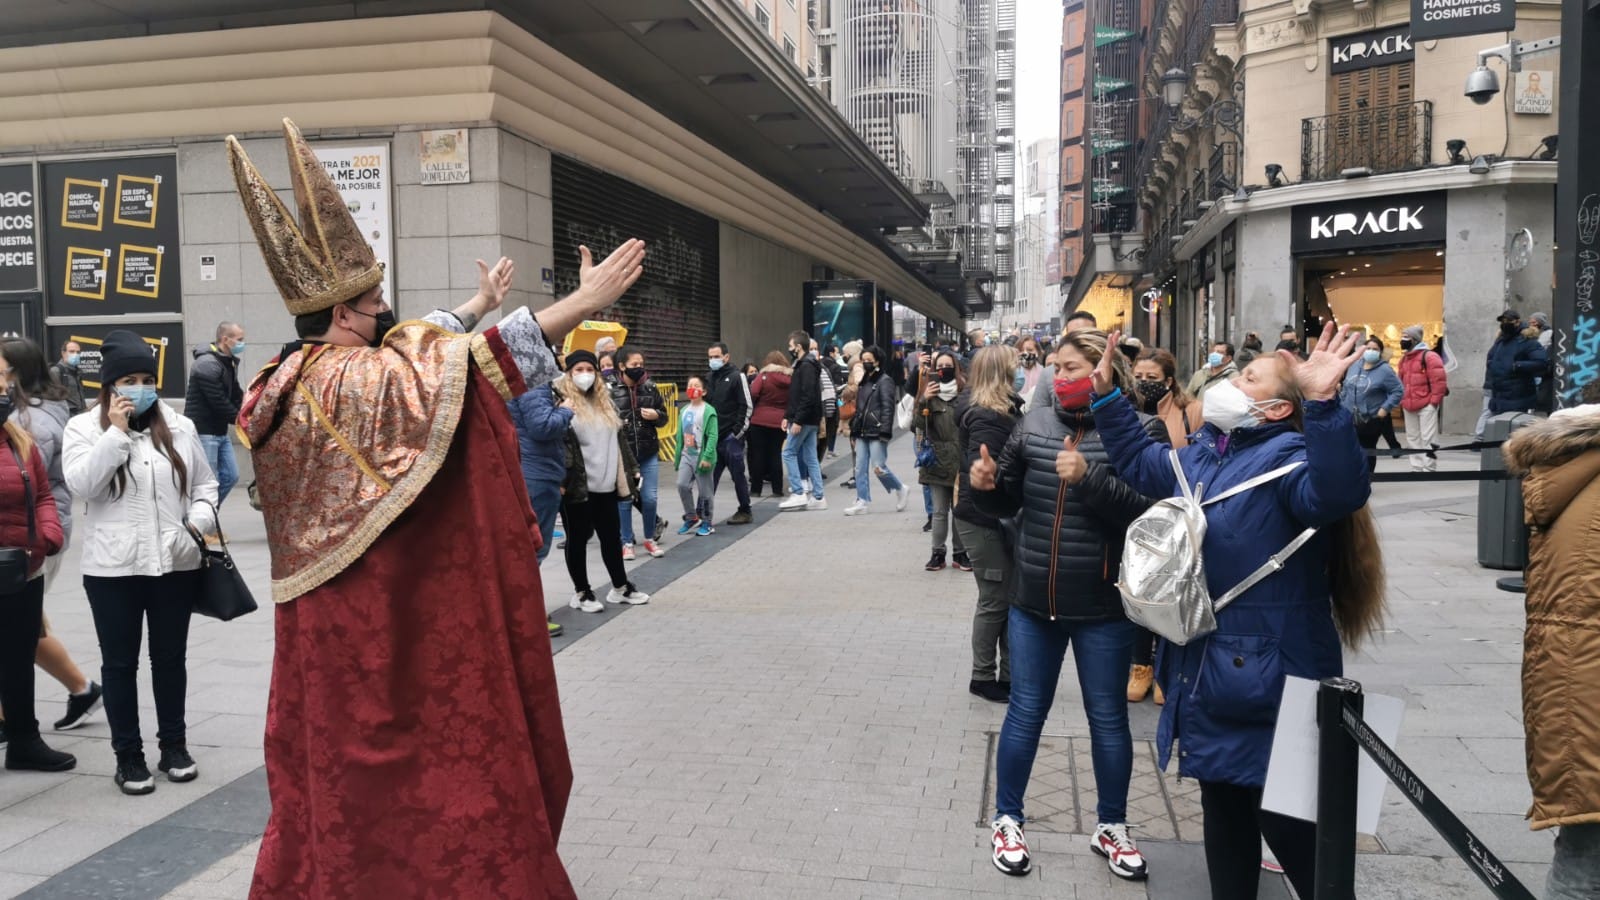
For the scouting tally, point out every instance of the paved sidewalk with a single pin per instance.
(789, 718)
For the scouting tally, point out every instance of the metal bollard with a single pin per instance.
(1337, 759)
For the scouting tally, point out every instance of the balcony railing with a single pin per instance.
(1383, 139)
(1224, 170)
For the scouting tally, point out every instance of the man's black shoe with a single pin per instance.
(80, 707)
(742, 517)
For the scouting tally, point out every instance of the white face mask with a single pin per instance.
(584, 380)
(1228, 407)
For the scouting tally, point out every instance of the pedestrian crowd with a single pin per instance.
(1033, 458)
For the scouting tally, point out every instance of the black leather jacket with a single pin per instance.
(1069, 542)
(875, 401)
(640, 433)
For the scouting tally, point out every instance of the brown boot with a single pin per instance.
(1161, 699)
(1139, 680)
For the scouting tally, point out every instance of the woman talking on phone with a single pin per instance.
(141, 467)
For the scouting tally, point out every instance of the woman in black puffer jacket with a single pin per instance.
(873, 428)
(1072, 512)
(985, 415)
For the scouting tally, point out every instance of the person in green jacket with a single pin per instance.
(696, 459)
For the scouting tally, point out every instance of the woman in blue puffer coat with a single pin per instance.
(1223, 690)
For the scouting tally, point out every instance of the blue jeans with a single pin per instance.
(1038, 649)
(546, 499)
(219, 453)
(1575, 870)
(800, 450)
(927, 500)
(647, 501)
(873, 455)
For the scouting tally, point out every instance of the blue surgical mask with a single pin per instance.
(72, 360)
(1371, 356)
(238, 349)
(143, 396)
(1214, 360)
(715, 364)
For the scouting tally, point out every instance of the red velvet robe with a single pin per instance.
(414, 743)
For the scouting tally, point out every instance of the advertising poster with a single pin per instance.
(109, 225)
(362, 176)
(19, 239)
(444, 157)
(166, 345)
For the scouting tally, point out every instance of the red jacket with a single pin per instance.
(13, 507)
(770, 392)
(1423, 378)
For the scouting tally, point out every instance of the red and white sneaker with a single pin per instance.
(1010, 847)
(1269, 863)
(627, 553)
(1121, 853)
(653, 549)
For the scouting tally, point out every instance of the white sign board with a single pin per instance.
(1292, 774)
(1534, 93)
(362, 175)
(445, 159)
(208, 268)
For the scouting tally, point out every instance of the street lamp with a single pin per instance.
(1227, 114)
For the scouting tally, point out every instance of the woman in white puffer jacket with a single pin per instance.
(141, 467)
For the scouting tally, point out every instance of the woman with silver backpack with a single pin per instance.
(1278, 455)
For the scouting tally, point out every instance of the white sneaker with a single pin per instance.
(805, 485)
(1010, 847)
(1121, 853)
(795, 501)
(819, 503)
(628, 594)
(900, 498)
(858, 508)
(585, 601)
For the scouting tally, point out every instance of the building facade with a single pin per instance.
(1038, 248)
(1325, 166)
(706, 141)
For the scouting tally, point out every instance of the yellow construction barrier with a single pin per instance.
(668, 431)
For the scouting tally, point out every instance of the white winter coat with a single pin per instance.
(141, 532)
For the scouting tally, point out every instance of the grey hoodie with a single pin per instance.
(46, 421)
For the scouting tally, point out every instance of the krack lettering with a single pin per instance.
(1388, 46)
(1394, 220)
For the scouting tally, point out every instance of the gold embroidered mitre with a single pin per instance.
(324, 260)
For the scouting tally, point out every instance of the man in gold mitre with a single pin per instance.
(414, 745)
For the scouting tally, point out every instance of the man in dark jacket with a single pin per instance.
(65, 372)
(1515, 363)
(729, 394)
(212, 402)
(642, 410)
(801, 421)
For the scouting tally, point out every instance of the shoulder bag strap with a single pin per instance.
(1255, 482)
(1273, 564)
(27, 491)
(1190, 494)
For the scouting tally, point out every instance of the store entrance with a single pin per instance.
(1378, 293)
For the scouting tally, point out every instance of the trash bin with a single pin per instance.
(1502, 538)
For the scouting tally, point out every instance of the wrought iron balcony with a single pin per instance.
(1382, 139)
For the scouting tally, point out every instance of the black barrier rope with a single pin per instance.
(1430, 451)
(1465, 475)
(1494, 873)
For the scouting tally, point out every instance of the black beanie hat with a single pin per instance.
(581, 356)
(124, 353)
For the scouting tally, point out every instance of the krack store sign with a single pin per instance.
(1373, 222)
(1372, 48)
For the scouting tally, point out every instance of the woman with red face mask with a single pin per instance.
(1072, 511)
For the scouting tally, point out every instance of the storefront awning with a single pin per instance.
(703, 63)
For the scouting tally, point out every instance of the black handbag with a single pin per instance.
(222, 593)
(14, 561)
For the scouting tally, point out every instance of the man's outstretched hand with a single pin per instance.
(607, 282)
(495, 283)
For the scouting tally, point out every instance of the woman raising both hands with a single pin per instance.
(1280, 410)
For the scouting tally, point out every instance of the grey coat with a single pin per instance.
(46, 421)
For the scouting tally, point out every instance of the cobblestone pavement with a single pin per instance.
(789, 718)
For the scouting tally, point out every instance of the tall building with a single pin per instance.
(1101, 83)
(1073, 208)
(1038, 267)
(793, 26)
(1326, 167)
(928, 85)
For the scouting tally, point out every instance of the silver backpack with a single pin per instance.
(1163, 576)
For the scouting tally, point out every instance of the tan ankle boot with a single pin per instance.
(1139, 681)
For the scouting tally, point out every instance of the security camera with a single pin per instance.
(1482, 85)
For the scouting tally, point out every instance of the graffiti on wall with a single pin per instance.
(1578, 354)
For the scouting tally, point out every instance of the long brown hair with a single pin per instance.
(160, 435)
(1356, 578)
(1169, 368)
(993, 374)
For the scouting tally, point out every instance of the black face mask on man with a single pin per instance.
(1509, 328)
(383, 323)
